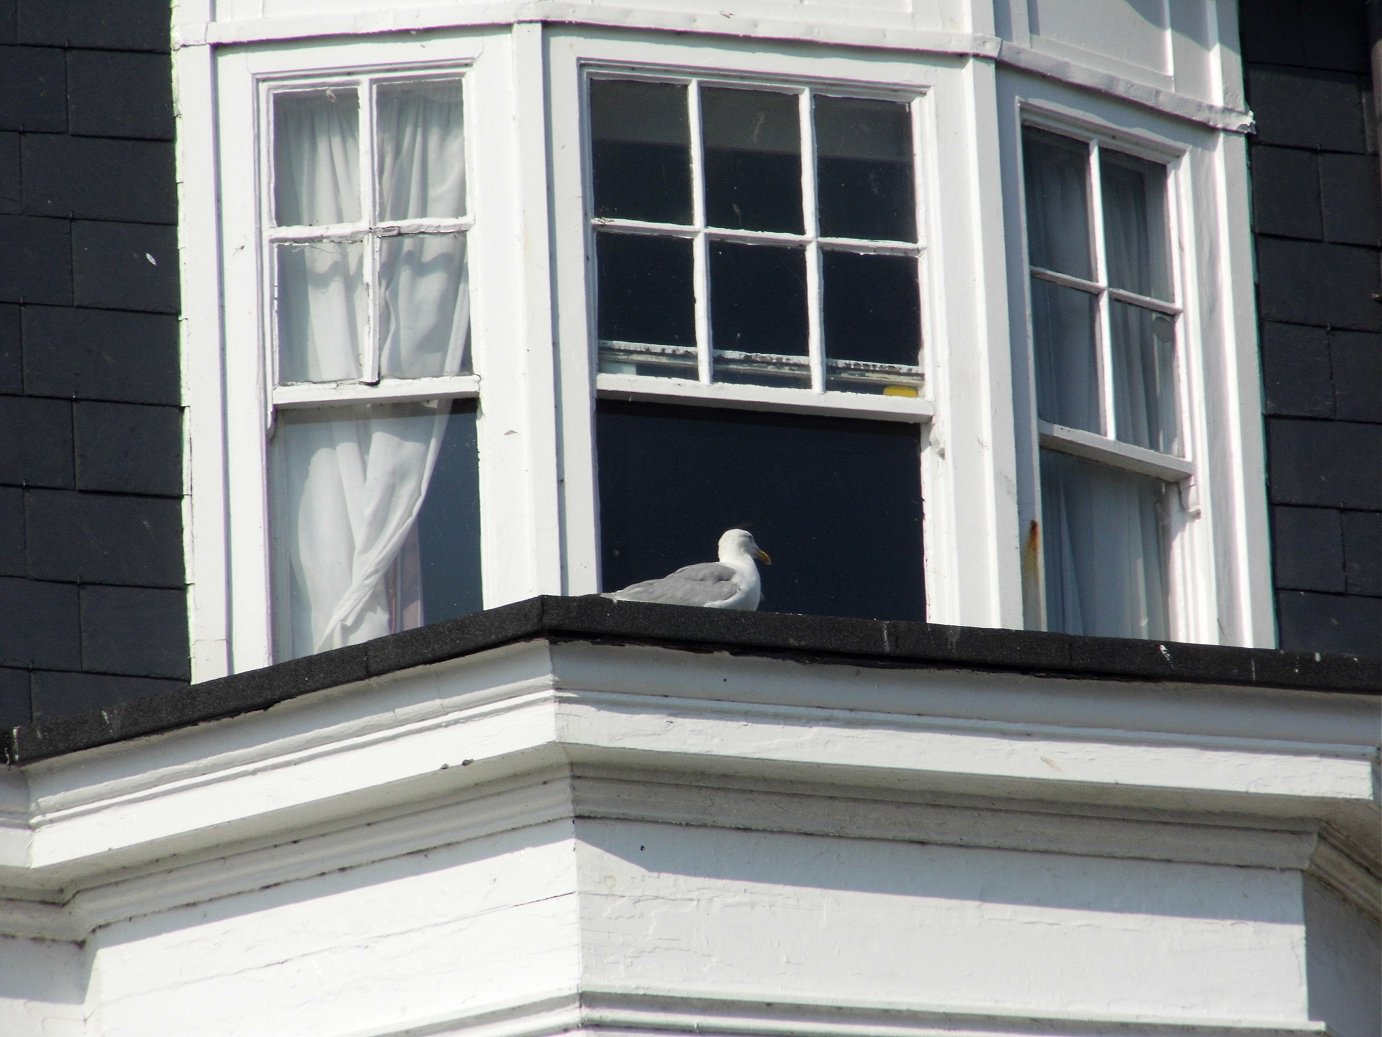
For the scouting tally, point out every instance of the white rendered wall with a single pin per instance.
(594, 839)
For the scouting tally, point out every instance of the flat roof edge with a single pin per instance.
(592, 618)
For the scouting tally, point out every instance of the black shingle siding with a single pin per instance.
(92, 589)
(1315, 183)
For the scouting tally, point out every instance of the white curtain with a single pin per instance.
(350, 481)
(1104, 543)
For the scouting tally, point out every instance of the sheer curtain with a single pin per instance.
(1104, 542)
(349, 481)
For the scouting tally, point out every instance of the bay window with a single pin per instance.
(509, 309)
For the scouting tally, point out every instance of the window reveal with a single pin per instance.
(370, 331)
(755, 235)
(1104, 321)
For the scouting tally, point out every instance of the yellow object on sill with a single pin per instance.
(900, 390)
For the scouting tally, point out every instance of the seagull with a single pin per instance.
(730, 583)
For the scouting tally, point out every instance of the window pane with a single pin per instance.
(645, 289)
(424, 315)
(836, 502)
(421, 149)
(1135, 227)
(752, 159)
(864, 169)
(375, 512)
(872, 308)
(321, 310)
(1144, 378)
(641, 150)
(1067, 364)
(1105, 558)
(316, 157)
(1056, 181)
(758, 305)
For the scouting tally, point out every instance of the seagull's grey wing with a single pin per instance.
(699, 584)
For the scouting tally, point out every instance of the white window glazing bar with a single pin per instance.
(369, 359)
(700, 248)
(815, 346)
(1103, 344)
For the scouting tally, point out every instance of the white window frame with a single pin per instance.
(958, 450)
(517, 467)
(1217, 578)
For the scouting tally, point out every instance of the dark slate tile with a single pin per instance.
(1363, 552)
(101, 355)
(1351, 202)
(128, 266)
(105, 24)
(1331, 464)
(1335, 34)
(1272, 31)
(37, 438)
(1306, 282)
(92, 178)
(97, 538)
(14, 699)
(10, 201)
(1308, 549)
(9, 21)
(135, 630)
(1330, 623)
(1296, 375)
(130, 448)
(12, 557)
(114, 94)
(40, 624)
(1356, 359)
(1309, 108)
(11, 355)
(56, 695)
(36, 262)
(33, 89)
(1286, 192)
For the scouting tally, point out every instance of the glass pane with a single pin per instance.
(1064, 340)
(811, 489)
(424, 312)
(1104, 549)
(1056, 176)
(1135, 228)
(872, 309)
(752, 159)
(421, 149)
(758, 305)
(864, 169)
(645, 289)
(1144, 378)
(321, 310)
(316, 157)
(640, 150)
(375, 514)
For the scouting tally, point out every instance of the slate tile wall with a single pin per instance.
(92, 587)
(1315, 184)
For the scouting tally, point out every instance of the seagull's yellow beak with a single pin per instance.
(762, 556)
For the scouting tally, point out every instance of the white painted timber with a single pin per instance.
(591, 839)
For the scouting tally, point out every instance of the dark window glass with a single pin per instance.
(758, 301)
(1064, 340)
(864, 169)
(641, 150)
(449, 524)
(752, 159)
(872, 308)
(835, 501)
(1135, 224)
(645, 289)
(1056, 177)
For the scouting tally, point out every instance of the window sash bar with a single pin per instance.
(815, 345)
(1114, 453)
(700, 248)
(369, 358)
(360, 231)
(386, 390)
(1104, 351)
(881, 246)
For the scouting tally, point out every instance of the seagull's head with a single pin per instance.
(741, 542)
